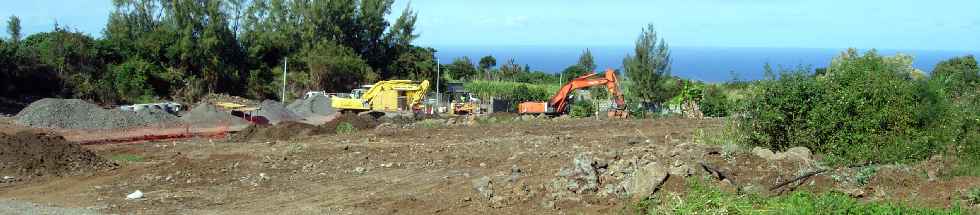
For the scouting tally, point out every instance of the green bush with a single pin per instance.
(865, 108)
(582, 108)
(715, 102)
(345, 128)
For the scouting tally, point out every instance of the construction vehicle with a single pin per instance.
(559, 103)
(383, 96)
(463, 103)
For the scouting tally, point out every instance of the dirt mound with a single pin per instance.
(275, 112)
(289, 130)
(79, 114)
(318, 105)
(28, 154)
(207, 114)
(358, 122)
(282, 131)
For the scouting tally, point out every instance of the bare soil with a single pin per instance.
(419, 171)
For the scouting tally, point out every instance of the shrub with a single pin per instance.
(973, 196)
(345, 128)
(865, 108)
(715, 103)
(581, 108)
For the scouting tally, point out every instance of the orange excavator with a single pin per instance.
(559, 103)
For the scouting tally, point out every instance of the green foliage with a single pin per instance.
(345, 128)
(13, 28)
(430, 123)
(334, 67)
(511, 90)
(648, 67)
(572, 72)
(960, 74)
(582, 108)
(864, 175)
(701, 198)
(973, 196)
(587, 61)
(131, 80)
(865, 108)
(486, 63)
(462, 69)
(716, 103)
(127, 158)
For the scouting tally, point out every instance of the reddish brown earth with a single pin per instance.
(420, 171)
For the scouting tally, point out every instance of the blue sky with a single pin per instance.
(884, 24)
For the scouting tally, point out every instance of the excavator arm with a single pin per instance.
(559, 102)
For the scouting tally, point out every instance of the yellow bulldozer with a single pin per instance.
(383, 96)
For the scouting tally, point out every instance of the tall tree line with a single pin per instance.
(184, 49)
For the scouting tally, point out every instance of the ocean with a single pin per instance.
(709, 64)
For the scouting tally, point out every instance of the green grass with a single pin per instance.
(345, 128)
(430, 123)
(702, 198)
(973, 196)
(127, 158)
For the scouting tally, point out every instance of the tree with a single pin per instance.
(586, 60)
(462, 68)
(573, 71)
(510, 69)
(13, 28)
(648, 67)
(486, 63)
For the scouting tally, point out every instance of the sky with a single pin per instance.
(836, 24)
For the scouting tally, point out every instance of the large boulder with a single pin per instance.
(646, 181)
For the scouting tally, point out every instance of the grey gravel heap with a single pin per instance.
(318, 105)
(207, 114)
(79, 114)
(275, 112)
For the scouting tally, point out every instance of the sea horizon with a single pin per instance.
(709, 64)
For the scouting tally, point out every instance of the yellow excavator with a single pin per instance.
(381, 97)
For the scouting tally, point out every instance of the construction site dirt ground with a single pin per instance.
(422, 170)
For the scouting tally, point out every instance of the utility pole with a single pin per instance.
(438, 93)
(285, 66)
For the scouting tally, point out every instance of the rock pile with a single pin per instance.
(78, 114)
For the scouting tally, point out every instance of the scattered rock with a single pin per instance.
(646, 181)
(360, 170)
(484, 186)
(582, 177)
(135, 195)
(797, 153)
(764, 153)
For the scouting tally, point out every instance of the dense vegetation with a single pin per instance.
(155, 49)
(869, 108)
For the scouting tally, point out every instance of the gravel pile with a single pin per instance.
(78, 114)
(207, 114)
(275, 112)
(316, 106)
